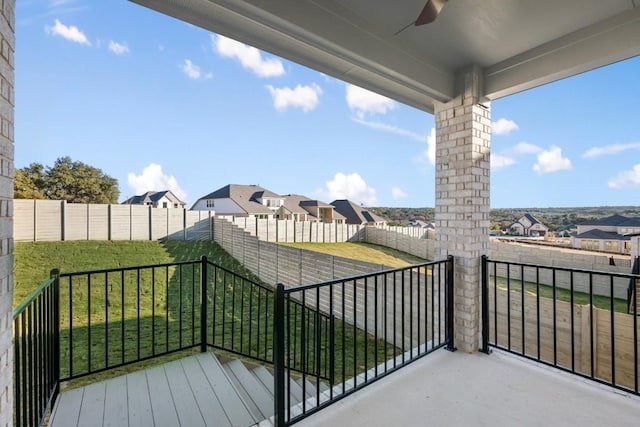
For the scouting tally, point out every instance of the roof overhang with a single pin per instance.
(517, 45)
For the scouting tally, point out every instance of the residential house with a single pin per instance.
(157, 199)
(609, 234)
(242, 201)
(301, 208)
(528, 225)
(356, 214)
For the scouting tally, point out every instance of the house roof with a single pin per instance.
(152, 197)
(354, 213)
(295, 203)
(245, 196)
(597, 234)
(292, 203)
(614, 221)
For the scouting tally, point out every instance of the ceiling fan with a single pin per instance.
(430, 12)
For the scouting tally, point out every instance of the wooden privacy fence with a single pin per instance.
(588, 340)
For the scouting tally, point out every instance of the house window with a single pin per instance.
(610, 246)
(175, 205)
(590, 245)
(164, 204)
(210, 203)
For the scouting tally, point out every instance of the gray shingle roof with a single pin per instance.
(245, 196)
(354, 213)
(597, 234)
(152, 197)
(614, 221)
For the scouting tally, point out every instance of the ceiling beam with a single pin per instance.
(603, 43)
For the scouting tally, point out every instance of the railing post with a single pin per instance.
(55, 274)
(449, 305)
(484, 281)
(203, 304)
(278, 355)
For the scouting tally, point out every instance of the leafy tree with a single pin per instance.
(28, 182)
(69, 180)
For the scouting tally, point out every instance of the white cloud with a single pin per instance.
(71, 32)
(117, 48)
(351, 187)
(192, 71)
(398, 193)
(153, 178)
(503, 127)
(551, 160)
(391, 129)
(250, 57)
(428, 156)
(499, 161)
(526, 148)
(627, 179)
(363, 101)
(305, 97)
(610, 149)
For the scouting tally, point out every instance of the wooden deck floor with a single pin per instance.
(193, 391)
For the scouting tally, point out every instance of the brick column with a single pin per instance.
(7, 45)
(463, 133)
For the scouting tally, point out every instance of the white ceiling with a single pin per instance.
(518, 44)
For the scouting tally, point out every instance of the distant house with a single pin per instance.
(241, 200)
(528, 225)
(356, 214)
(157, 199)
(609, 234)
(301, 208)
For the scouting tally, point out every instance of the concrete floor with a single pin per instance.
(461, 389)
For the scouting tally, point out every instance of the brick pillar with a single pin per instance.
(7, 45)
(463, 134)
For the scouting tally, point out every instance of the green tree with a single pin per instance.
(28, 182)
(69, 180)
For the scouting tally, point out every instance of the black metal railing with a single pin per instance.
(632, 289)
(36, 368)
(83, 323)
(379, 322)
(572, 319)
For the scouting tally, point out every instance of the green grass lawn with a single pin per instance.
(33, 261)
(579, 298)
(367, 252)
(113, 318)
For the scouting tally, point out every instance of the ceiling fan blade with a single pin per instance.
(430, 12)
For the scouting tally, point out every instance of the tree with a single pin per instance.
(28, 183)
(69, 180)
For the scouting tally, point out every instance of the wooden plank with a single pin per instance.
(258, 397)
(164, 410)
(67, 409)
(186, 407)
(234, 407)
(92, 409)
(140, 410)
(205, 397)
(116, 405)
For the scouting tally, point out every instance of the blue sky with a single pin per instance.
(160, 104)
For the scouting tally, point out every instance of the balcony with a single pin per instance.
(377, 348)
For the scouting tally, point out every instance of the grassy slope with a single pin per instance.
(363, 252)
(34, 260)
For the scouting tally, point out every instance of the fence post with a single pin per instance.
(278, 355)
(203, 304)
(449, 305)
(484, 281)
(55, 275)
